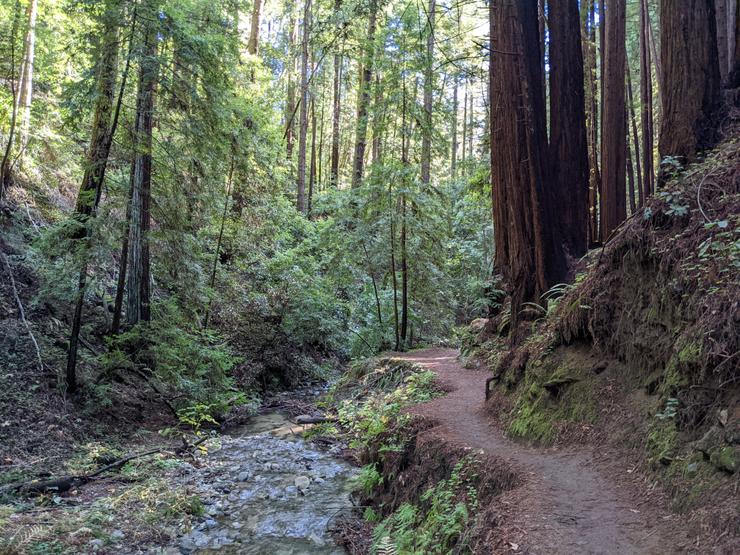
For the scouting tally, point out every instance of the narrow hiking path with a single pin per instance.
(568, 503)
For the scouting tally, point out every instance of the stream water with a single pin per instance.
(267, 491)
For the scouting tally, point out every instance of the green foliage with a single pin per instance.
(365, 419)
(367, 479)
(438, 524)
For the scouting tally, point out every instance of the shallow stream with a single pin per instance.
(267, 491)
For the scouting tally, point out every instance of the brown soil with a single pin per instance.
(572, 501)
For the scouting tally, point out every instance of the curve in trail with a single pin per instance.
(567, 505)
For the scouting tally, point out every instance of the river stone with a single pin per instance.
(302, 482)
(243, 476)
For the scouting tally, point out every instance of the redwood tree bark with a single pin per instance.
(646, 104)
(527, 254)
(690, 79)
(613, 123)
(568, 147)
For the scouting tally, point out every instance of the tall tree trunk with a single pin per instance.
(26, 85)
(5, 165)
(88, 197)
(613, 123)
(568, 146)
(378, 116)
(138, 298)
(527, 253)
(336, 110)
(720, 12)
(394, 278)
(646, 104)
(635, 141)
(592, 118)
(426, 135)
(690, 80)
(733, 22)
(303, 123)
(630, 172)
(465, 123)
(312, 170)
(471, 124)
(254, 31)
(405, 143)
(290, 107)
(453, 152)
(363, 100)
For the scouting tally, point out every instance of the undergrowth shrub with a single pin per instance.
(438, 523)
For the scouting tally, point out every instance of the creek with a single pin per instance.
(267, 491)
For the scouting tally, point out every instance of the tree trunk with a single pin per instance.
(254, 31)
(405, 144)
(733, 23)
(613, 123)
(88, 197)
(5, 165)
(336, 110)
(635, 143)
(426, 136)
(720, 12)
(378, 116)
(646, 105)
(290, 106)
(592, 119)
(465, 123)
(568, 146)
(363, 100)
(690, 79)
(312, 170)
(26, 84)
(630, 173)
(453, 153)
(138, 298)
(527, 254)
(471, 124)
(303, 123)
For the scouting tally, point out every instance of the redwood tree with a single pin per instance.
(527, 254)
(613, 121)
(690, 77)
(568, 148)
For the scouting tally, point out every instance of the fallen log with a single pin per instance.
(66, 483)
(307, 419)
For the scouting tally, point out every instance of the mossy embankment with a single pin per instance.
(640, 354)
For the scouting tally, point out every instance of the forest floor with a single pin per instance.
(573, 501)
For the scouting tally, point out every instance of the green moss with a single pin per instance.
(726, 458)
(662, 440)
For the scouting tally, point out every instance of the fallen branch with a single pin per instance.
(21, 311)
(65, 483)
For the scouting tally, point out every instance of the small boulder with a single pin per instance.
(302, 482)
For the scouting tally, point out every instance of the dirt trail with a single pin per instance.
(567, 504)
